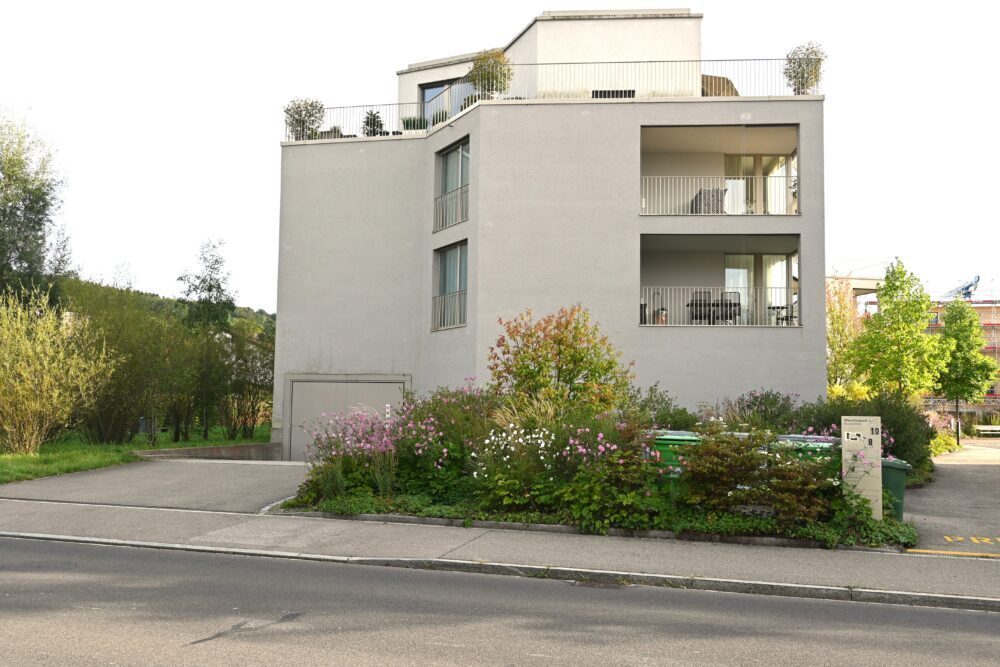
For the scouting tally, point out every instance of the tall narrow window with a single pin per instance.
(452, 205)
(449, 302)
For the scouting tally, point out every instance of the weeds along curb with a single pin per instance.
(751, 540)
(596, 577)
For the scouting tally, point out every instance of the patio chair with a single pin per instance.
(728, 308)
(700, 307)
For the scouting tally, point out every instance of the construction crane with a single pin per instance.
(963, 291)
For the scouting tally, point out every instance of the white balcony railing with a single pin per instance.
(719, 195)
(448, 311)
(718, 306)
(555, 81)
(451, 208)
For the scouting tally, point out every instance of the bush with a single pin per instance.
(906, 431)
(561, 358)
(760, 409)
(372, 126)
(656, 409)
(52, 367)
(414, 123)
(944, 443)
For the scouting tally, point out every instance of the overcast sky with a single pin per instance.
(165, 118)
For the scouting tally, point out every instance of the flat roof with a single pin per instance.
(573, 15)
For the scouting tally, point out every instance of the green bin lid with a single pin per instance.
(898, 464)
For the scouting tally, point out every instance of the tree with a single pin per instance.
(52, 366)
(969, 373)
(804, 67)
(843, 326)
(210, 305)
(303, 118)
(491, 72)
(372, 126)
(894, 350)
(251, 379)
(28, 200)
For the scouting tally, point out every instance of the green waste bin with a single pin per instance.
(671, 445)
(894, 481)
(809, 447)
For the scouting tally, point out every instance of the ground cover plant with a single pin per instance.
(558, 434)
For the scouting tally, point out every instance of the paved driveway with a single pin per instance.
(960, 511)
(232, 486)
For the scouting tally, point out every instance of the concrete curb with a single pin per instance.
(599, 577)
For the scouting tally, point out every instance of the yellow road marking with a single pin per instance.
(942, 552)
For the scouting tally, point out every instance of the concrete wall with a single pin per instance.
(409, 82)
(589, 40)
(554, 220)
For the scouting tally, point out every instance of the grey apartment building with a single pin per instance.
(680, 200)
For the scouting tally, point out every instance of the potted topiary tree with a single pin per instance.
(372, 126)
(804, 68)
(490, 75)
(303, 118)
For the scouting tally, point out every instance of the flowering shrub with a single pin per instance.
(561, 358)
(356, 442)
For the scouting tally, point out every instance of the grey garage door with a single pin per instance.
(310, 397)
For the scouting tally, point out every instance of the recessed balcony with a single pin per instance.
(719, 280)
(719, 170)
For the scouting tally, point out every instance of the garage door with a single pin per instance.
(308, 397)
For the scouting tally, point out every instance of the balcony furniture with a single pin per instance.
(660, 316)
(700, 308)
(709, 201)
(786, 317)
(728, 309)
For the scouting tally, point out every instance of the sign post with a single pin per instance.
(861, 458)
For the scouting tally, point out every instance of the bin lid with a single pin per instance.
(676, 438)
(898, 464)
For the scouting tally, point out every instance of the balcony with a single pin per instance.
(719, 280)
(558, 81)
(719, 170)
(451, 208)
(448, 311)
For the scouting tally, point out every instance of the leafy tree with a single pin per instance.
(251, 378)
(210, 301)
(804, 67)
(561, 358)
(491, 72)
(894, 350)
(52, 365)
(969, 373)
(843, 325)
(28, 199)
(303, 118)
(372, 126)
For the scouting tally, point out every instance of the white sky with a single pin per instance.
(166, 118)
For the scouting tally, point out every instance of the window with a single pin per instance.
(432, 102)
(452, 205)
(448, 304)
(761, 184)
(767, 286)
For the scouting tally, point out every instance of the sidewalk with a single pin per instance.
(440, 547)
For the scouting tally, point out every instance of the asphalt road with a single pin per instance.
(69, 604)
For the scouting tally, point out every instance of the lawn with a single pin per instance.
(71, 453)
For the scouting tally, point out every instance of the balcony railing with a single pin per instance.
(719, 195)
(448, 311)
(451, 208)
(718, 306)
(555, 81)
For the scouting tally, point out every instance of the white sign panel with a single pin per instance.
(861, 458)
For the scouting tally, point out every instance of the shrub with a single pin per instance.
(944, 443)
(414, 123)
(303, 118)
(359, 442)
(491, 72)
(804, 67)
(760, 409)
(657, 409)
(561, 358)
(906, 431)
(52, 366)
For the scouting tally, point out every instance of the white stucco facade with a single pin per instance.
(553, 218)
